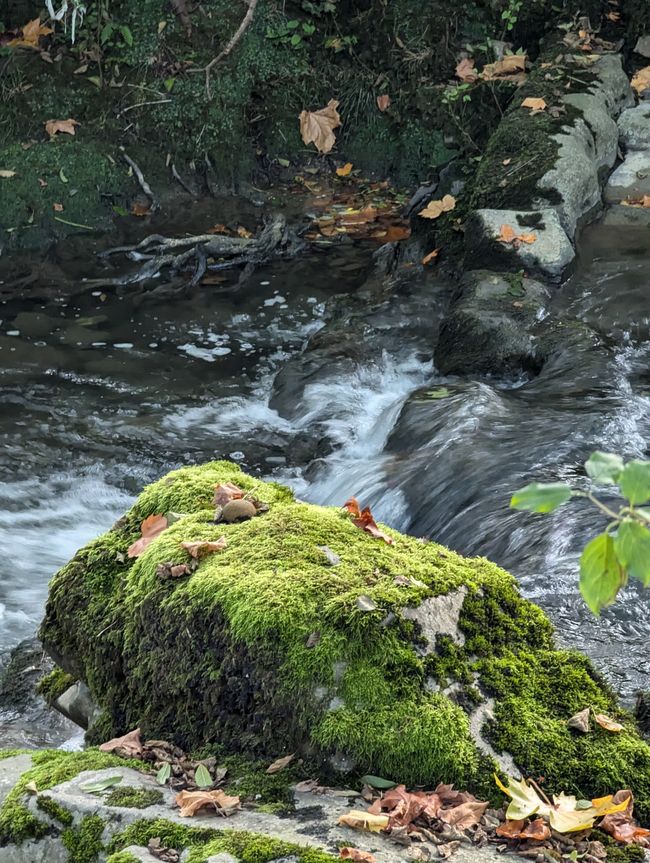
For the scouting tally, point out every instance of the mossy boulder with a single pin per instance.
(405, 660)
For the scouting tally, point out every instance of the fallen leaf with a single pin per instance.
(580, 722)
(172, 570)
(365, 603)
(345, 171)
(162, 852)
(607, 723)
(58, 208)
(622, 825)
(358, 217)
(641, 80)
(280, 764)
(537, 830)
(128, 746)
(200, 548)
(430, 257)
(150, 528)
(465, 70)
(225, 492)
(218, 229)
(535, 105)
(317, 127)
(464, 815)
(364, 520)
(140, 209)
(512, 65)
(30, 35)
(42, 183)
(357, 855)
(506, 161)
(191, 802)
(509, 236)
(447, 849)
(644, 201)
(53, 127)
(383, 102)
(364, 821)
(613, 16)
(434, 209)
(244, 233)
(7, 175)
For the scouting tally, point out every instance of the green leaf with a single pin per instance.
(202, 777)
(169, 84)
(101, 784)
(632, 547)
(601, 576)
(126, 35)
(95, 79)
(541, 497)
(163, 774)
(121, 211)
(107, 32)
(604, 468)
(378, 782)
(296, 39)
(293, 25)
(62, 176)
(439, 393)
(284, 162)
(634, 481)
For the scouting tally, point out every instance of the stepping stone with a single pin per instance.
(634, 127)
(631, 179)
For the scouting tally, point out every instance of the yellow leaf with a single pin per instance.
(7, 175)
(607, 723)
(434, 209)
(317, 127)
(364, 821)
(641, 81)
(31, 34)
(534, 104)
(345, 171)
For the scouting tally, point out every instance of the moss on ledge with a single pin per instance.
(203, 843)
(84, 841)
(54, 684)
(50, 767)
(134, 798)
(228, 653)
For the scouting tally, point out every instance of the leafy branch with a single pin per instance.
(623, 548)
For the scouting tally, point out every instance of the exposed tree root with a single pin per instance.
(171, 256)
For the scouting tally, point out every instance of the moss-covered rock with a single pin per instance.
(268, 648)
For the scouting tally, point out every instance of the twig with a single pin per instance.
(180, 180)
(540, 792)
(74, 224)
(146, 188)
(243, 27)
(142, 104)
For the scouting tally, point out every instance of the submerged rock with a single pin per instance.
(226, 655)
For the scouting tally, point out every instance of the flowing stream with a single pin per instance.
(100, 394)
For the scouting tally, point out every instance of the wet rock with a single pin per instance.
(642, 46)
(238, 510)
(612, 83)
(550, 256)
(438, 616)
(631, 179)
(26, 720)
(634, 127)
(77, 705)
(489, 328)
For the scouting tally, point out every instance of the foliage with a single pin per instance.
(623, 549)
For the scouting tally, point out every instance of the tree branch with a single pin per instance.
(243, 27)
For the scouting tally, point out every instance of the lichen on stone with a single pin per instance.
(134, 798)
(267, 649)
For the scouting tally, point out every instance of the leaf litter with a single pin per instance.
(364, 520)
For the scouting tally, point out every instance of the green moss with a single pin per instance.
(12, 753)
(54, 810)
(84, 841)
(134, 798)
(122, 857)
(617, 853)
(50, 767)
(223, 654)
(247, 847)
(54, 684)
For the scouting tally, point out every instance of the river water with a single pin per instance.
(101, 393)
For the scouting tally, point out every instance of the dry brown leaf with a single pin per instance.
(128, 746)
(201, 548)
(58, 208)
(280, 764)
(150, 528)
(31, 35)
(644, 201)
(357, 855)
(383, 102)
(317, 127)
(511, 65)
(509, 236)
(434, 209)
(225, 492)
(580, 722)
(641, 80)
(139, 208)
(613, 16)
(7, 175)
(537, 830)
(506, 161)
(465, 70)
(432, 256)
(244, 233)
(364, 821)
(447, 849)
(53, 127)
(358, 217)
(464, 815)
(345, 170)
(218, 229)
(535, 105)
(363, 519)
(607, 723)
(191, 802)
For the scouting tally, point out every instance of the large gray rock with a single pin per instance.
(601, 142)
(550, 256)
(612, 83)
(634, 127)
(642, 46)
(489, 329)
(631, 179)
